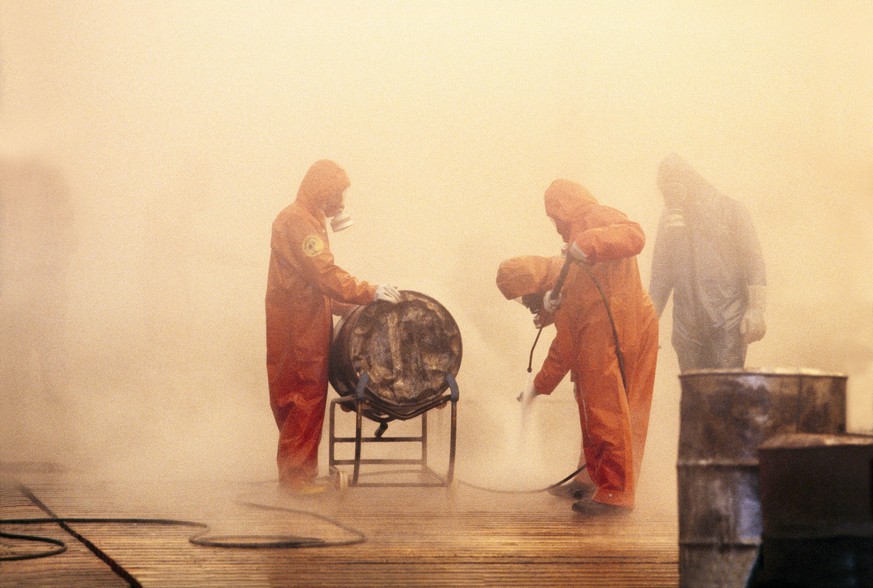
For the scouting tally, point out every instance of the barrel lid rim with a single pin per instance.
(781, 371)
(371, 306)
(799, 440)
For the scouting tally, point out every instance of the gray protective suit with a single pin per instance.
(707, 253)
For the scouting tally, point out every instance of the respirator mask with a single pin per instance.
(335, 209)
(341, 221)
(674, 200)
(533, 302)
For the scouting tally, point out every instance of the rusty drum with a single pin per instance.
(724, 416)
(406, 349)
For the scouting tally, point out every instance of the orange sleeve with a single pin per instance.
(337, 284)
(559, 359)
(608, 234)
(311, 253)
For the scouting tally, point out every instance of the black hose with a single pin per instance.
(619, 355)
(535, 491)
(203, 538)
(60, 546)
(534, 346)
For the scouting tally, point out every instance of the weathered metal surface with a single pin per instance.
(406, 349)
(415, 537)
(817, 509)
(724, 416)
(817, 486)
(824, 562)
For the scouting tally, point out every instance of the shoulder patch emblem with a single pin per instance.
(313, 245)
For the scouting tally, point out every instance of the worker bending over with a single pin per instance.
(606, 338)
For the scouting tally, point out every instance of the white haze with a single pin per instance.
(175, 131)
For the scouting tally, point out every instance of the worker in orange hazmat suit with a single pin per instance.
(303, 285)
(606, 338)
(526, 279)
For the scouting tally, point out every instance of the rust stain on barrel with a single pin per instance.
(406, 349)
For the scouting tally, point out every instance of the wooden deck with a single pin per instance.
(414, 537)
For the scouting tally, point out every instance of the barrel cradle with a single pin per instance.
(394, 362)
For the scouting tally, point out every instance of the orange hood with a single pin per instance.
(528, 274)
(566, 204)
(323, 179)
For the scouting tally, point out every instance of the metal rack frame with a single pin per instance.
(367, 405)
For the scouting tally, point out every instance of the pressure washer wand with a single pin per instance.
(556, 291)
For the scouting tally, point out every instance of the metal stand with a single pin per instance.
(366, 405)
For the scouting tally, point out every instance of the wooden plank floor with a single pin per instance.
(414, 537)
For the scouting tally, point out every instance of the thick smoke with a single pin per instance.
(146, 148)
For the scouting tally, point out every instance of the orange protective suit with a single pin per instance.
(614, 420)
(302, 282)
(520, 277)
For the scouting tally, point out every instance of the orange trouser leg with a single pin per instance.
(299, 438)
(582, 477)
(606, 436)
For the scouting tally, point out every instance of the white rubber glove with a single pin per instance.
(753, 326)
(550, 305)
(543, 319)
(387, 293)
(576, 253)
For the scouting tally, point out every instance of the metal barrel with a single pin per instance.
(724, 416)
(406, 349)
(817, 508)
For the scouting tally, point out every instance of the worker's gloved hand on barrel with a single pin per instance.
(528, 394)
(388, 293)
(550, 305)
